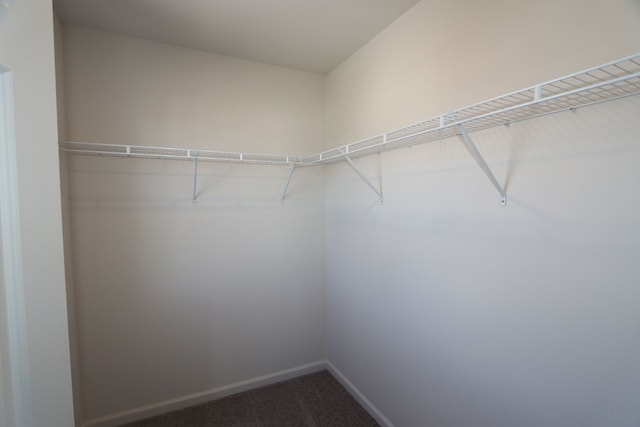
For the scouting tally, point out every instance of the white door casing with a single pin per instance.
(14, 356)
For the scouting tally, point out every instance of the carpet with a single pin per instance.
(314, 400)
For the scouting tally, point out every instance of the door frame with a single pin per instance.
(15, 381)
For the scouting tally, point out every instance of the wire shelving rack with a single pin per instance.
(614, 80)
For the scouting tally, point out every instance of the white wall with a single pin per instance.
(174, 299)
(445, 309)
(26, 49)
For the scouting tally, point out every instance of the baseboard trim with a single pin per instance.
(357, 394)
(159, 408)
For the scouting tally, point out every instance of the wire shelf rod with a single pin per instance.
(495, 115)
(586, 90)
(137, 151)
(613, 80)
(635, 59)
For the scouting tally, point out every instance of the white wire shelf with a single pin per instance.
(93, 149)
(607, 82)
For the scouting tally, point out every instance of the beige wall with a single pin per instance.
(444, 308)
(174, 299)
(125, 90)
(27, 50)
(443, 55)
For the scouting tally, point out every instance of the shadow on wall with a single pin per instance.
(112, 183)
(446, 309)
(508, 148)
(174, 299)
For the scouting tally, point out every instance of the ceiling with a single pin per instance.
(309, 35)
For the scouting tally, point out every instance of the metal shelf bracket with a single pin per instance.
(286, 186)
(357, 170)
(466, 138)
(194, 199)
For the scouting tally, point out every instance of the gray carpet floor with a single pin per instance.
(315, 400)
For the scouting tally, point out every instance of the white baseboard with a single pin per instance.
(366, 403)
(159, 408)
(151, 410)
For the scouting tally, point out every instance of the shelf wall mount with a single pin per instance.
(194, 199)
(292, 169)
(475, 153)
(362, 176)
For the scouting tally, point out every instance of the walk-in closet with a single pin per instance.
(428, 208)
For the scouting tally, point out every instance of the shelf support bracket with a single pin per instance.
(480, 161)
(286, 186)
(357, 170)
(194, 199)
